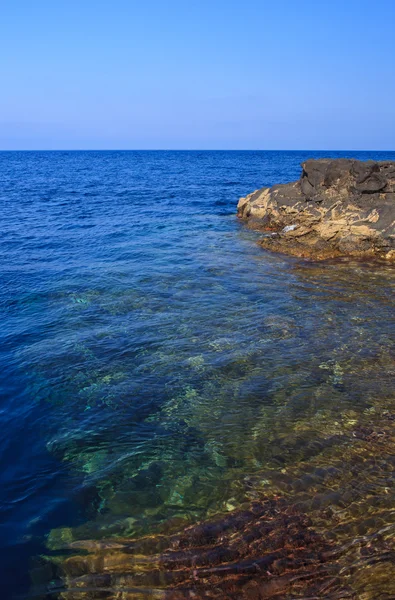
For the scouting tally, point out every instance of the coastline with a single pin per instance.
(339, 207)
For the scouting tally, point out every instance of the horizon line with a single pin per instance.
(193, 150)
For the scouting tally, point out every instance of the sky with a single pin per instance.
(203, 74)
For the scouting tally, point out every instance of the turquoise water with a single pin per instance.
(154, 358)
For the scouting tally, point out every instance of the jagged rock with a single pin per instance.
(337, 208)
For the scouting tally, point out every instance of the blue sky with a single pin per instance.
(224, 74)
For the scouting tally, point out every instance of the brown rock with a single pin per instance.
(337, 208)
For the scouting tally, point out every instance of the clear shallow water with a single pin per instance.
(154, 359)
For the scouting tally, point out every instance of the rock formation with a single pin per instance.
(339, 207)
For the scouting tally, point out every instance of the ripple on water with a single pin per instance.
(185, 412)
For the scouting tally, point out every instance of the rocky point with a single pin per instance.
(339, 207)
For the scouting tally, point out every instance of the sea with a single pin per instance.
(160, 370)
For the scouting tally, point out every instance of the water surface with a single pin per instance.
(156, 362)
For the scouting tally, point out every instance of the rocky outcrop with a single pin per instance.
(339, 207)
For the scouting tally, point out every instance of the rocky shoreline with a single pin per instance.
(339, 207)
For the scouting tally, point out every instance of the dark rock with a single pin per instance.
(338, 207)
(374, 183)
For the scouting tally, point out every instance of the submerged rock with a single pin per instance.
(322, 527)
(338, 207)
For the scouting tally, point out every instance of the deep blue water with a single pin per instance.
(147, 342)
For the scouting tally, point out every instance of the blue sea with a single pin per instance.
(153, 357)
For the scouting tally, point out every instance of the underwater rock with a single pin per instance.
(321, 528)
(339, 207)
